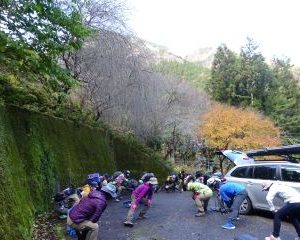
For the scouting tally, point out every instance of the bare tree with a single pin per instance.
(118, 82)
(120, 85)
(100, 14)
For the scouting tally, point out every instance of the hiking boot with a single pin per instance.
(271, 237)
(128, 224)
(200, 214)
(228, 225)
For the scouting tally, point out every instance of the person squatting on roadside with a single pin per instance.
(64, 200)
(232, 194)
(201, 177)
(201, 195)
(105, 179)
(145, 175)
(291, 208)
(127, 174)
(181, 177)
(142, 193)
(85, 215)
(118, 178)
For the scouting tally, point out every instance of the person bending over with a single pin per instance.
(232, 194)
(291, 208)
(201, 195)
(142, 193)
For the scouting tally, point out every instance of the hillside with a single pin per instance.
(193, 68)
(40, 154)
(203, 56)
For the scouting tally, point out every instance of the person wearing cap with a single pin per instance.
(142, 193)
(291, 208)
(201, 195)
(85, 215)
(232, 194)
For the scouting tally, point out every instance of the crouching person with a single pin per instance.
(201, 195)
(85, 215)
(144, 194)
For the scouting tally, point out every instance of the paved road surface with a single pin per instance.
(171, 217)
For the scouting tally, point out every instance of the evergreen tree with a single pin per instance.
(254, 78)
(284, 100)
(248, 81)
(222, 83)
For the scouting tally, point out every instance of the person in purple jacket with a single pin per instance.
(85, 215)
(144, 194)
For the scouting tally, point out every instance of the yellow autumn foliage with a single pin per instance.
(227, 127)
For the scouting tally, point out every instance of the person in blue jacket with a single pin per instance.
(232, 194)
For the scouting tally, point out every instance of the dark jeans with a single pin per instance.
(292, 210)
(235, 207)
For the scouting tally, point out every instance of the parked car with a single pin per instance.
(252, 176)
(253, 173)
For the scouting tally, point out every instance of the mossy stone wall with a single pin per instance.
(38, 153)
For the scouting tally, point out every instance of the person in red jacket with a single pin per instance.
(85, 215)
(142, 193)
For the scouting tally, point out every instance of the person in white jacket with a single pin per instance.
(291, 208)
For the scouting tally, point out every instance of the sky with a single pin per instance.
(183, 26)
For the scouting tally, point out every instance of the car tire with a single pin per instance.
(246, 206)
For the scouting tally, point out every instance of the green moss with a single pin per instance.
(39, 154)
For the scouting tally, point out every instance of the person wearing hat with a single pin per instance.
(232, 194)
(85, 215)
(88, 187)
(142, 193)
(145, 175)
(291, 208)
(201, 195)
(214, 183)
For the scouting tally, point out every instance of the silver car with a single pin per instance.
(253, 175)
